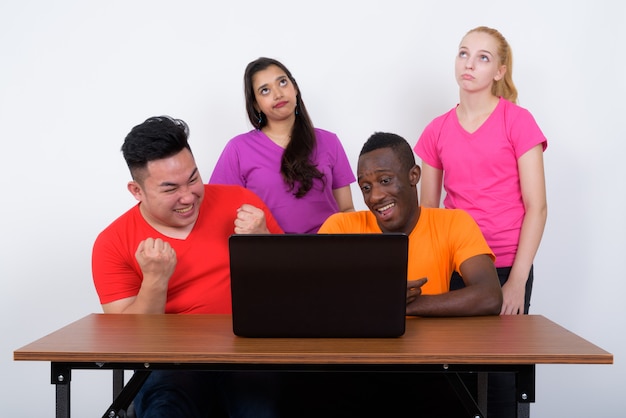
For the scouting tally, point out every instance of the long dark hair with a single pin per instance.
(295, 165)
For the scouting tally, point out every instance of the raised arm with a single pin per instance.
(157, 260)
(431, 183)
(481, 295)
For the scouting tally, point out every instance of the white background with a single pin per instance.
(75, 76)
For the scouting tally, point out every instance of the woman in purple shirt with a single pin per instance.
(300, 172)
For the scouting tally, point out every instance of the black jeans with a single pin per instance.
(203, 394)
(369, 394)
(456, 282)
(501, 402)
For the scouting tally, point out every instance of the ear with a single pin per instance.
(500, 74)
(135, 189)
(414, 175)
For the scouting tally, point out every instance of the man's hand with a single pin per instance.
(250, 220)
(414, 289)
(157, 260)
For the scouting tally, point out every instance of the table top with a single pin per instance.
(128, 338)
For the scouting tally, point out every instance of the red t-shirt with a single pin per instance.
(201, 280)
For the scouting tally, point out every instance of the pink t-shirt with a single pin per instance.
(480, 173)
(252, 160)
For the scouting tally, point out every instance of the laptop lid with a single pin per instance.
(326, 285)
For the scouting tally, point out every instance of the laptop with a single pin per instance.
(323, 286)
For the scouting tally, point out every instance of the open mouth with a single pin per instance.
(184, 210)
(384, 211)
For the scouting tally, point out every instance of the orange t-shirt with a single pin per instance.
(440, 242)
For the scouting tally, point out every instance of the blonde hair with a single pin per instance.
(505, 86)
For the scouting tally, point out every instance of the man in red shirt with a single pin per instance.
(169, 254)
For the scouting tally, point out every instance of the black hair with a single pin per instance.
(399, 145)
(295, 165)
(156, 138)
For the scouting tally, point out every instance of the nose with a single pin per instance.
(278, 93)
(469, 63)
(376, 193)
(186, 195)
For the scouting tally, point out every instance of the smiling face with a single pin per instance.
(389, 189)
(477, 64)
(170, 191)
(275, 94)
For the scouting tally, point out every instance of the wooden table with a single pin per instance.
(206, 342)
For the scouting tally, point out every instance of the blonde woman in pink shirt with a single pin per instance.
(487, 152)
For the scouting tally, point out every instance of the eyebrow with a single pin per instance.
(169, 184)
(377, 171)
(484, 51)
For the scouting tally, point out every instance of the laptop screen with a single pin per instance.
(326, 285)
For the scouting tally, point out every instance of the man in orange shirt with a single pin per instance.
(440, 240)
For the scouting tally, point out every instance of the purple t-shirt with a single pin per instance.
(480, 172)
(252, 160)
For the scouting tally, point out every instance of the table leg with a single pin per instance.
(482, 395)
(118, 382)
(61, 377)
(123, 399)
(523, 410)
(525, 391)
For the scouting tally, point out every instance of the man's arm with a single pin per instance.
(157, 260)
(481, 295)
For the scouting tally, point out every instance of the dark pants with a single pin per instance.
(501, 402)
(456, 282)
(201, 394)
(369, 394)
